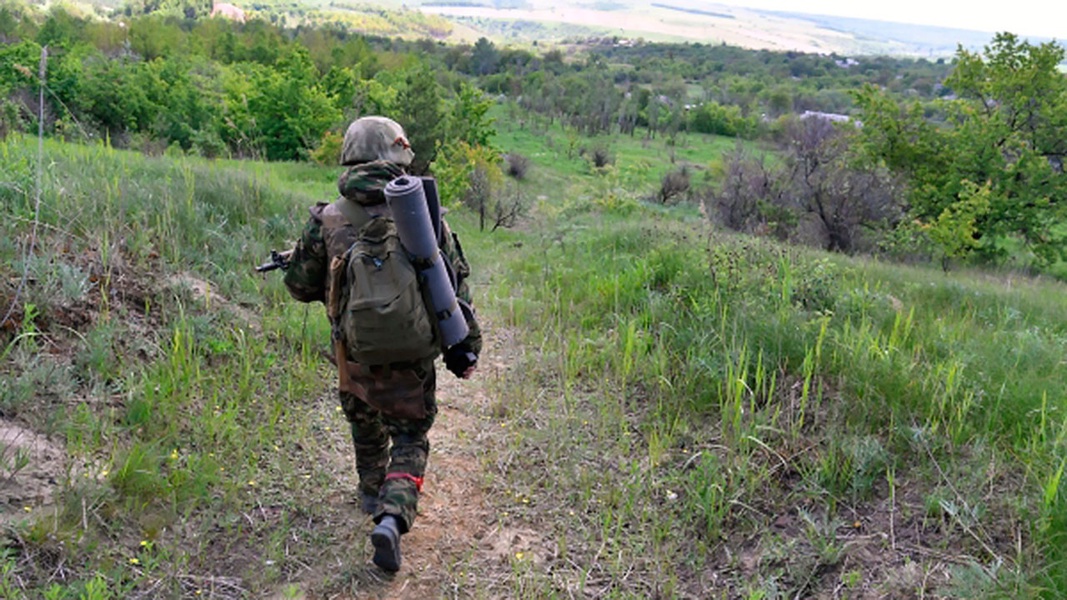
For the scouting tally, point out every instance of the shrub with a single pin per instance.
(674, 186)
(601, 157)
(516, 165)
(329, 150)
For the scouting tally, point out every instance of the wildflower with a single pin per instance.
(27, 509)
(519, 555)
(134, 560)
(144, 543)
(174, 454)
(252, 482)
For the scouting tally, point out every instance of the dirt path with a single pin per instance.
(455, 529)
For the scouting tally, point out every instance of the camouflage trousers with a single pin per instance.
(390, 473)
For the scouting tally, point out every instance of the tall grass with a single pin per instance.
(188, 389)
(691, 414)
(707, 383)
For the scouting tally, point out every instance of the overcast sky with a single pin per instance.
(1046, 18)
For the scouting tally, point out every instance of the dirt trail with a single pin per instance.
(455, 525)
(456, 545)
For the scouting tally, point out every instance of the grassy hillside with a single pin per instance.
(672, 411)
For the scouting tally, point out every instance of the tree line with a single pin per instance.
(975, 176)
(955, 159)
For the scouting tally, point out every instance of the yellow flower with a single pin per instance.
(104, 473)
(134, 561)
(144, 542)
(519, 555)
(174, 454)
(252, 482)
(27, 509)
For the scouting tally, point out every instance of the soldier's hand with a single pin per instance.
(460, 360)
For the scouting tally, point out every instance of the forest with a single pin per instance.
(161, 79)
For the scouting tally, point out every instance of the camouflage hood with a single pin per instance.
(365, 183)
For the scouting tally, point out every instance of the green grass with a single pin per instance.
(180, 411)
(696, 393)
(639, 163)
(688, 413)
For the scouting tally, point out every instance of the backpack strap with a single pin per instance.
(355, 213)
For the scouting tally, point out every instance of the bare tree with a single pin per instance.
(823, 184)
(748, 188)
(508, 208)
(817, 184)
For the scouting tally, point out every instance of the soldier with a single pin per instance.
(383, 402)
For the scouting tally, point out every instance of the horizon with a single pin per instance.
(1028, 17)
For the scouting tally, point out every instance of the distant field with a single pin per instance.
(689, 20)
(674, 22)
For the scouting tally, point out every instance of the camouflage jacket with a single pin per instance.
(328, 233)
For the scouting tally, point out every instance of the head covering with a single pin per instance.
(370, 139)
(365, 183)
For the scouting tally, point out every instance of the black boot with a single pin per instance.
(386, 541)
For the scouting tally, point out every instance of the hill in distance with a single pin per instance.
(524, 22)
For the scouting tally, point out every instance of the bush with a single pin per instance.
(674, 186)
(601, 157)
(329, 150)
(516, 165)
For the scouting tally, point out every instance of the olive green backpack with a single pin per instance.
(385, 316)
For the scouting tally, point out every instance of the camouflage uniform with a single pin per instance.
(393, 475)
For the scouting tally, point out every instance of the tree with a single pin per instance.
(819, 182)
(484, 57)
(420, 113)
(468, 117)
(1007, 130)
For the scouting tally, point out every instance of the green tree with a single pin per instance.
(468, 117)
(1008, 127)
(953, 230)
(420, 112)
(484, 57)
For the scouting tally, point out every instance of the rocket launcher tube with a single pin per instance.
(407, 201)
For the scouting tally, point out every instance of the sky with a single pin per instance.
(1044, 18)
